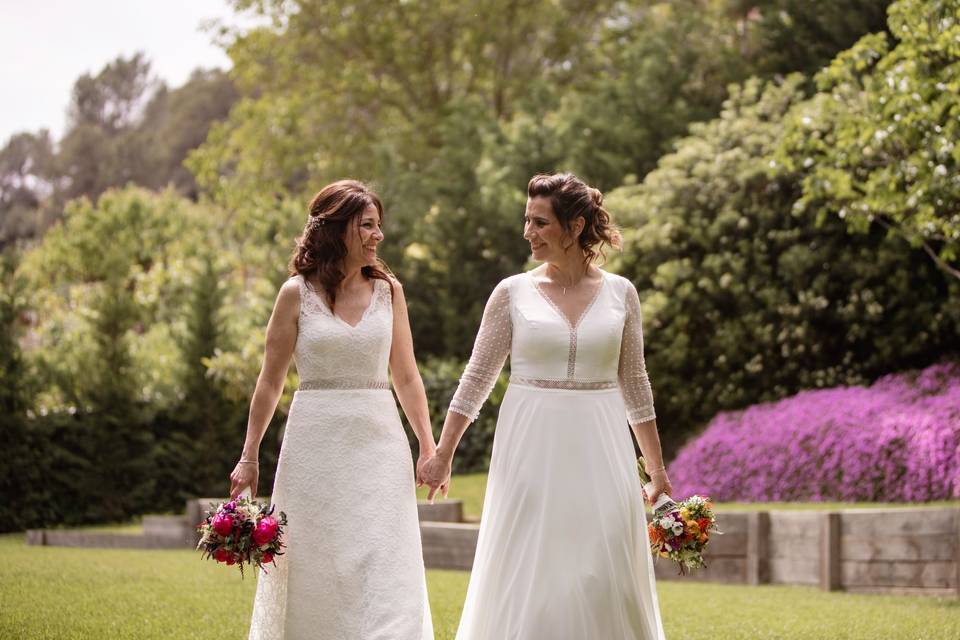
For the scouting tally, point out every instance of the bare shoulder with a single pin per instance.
(399, 300)
(288, 299)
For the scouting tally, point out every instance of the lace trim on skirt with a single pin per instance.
(565, 383)
(343, 383)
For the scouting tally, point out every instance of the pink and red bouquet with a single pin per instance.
(679, 530)
(240, 532)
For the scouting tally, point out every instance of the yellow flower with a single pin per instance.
(684, 513)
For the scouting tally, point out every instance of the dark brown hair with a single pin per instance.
(321, 249)
(570, 197)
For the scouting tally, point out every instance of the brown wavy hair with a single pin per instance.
(571, 198)
(320, 251)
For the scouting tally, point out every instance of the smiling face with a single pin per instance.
(549, 241)
(362, 236)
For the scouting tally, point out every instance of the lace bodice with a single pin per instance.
(604, 348)
(331, 351)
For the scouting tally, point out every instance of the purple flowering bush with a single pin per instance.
(895, 441)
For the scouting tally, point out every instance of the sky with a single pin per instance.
(45, 45)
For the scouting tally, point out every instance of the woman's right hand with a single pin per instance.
(435, 473)
(244, 475)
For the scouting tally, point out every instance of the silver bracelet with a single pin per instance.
(244, 461)
(657, 470)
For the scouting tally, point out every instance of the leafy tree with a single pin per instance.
(745, 299)
(26, 180)
(784, 36)
(17, 474)
(176, 121)
(877, 146)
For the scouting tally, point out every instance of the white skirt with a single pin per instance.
(353, 567)
(563, 551)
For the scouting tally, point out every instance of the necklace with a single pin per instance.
(564, 287)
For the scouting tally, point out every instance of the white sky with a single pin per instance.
(45, 45)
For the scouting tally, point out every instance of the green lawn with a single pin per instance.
(63, 594)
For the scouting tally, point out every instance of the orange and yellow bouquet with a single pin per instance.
(680, 530)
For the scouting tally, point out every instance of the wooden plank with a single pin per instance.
(795, 570)
(448, 545)
(956, 551)
(36, 537)
(444, 511)
(830, 574)
(914, 547)
(794, 546)
(722, 570)
(886, 522)
(727, 545)
(903, 591)
(758, 548)
(937, 575)
(732, 522)
(794, 523)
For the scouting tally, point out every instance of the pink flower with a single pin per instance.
(222, 524)
(265, 531)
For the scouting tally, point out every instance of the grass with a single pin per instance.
(470, 489)
(59, 593)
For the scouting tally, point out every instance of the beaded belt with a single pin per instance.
(564, 383)
(343, 383)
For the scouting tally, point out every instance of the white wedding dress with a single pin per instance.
(563, 552)
(353, 567)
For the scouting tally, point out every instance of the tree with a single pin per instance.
(746, 300)
(17, 473)
(878, 146)
(26, 179)
(100, 148)
(176, 121)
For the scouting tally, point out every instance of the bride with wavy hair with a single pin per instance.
(353, 566)
(563, 551)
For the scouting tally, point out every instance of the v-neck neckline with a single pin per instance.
(570, 325)
(333, 313)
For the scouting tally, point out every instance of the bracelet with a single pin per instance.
(657, 470)
(245, 461)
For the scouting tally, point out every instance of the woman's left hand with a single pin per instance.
(661, 484)
(435, 473)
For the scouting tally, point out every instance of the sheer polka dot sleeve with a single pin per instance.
(634, 383)
(490, 351)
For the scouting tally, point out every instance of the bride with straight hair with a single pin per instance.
(563, 551)
(353, 566)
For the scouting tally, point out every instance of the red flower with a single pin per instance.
(222, 524)
(265, 531)
(267, 558)
(222, 555)
(704, 523)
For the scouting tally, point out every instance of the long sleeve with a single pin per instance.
(634, 383)
(490, 351)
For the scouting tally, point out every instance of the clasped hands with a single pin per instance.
(433, 470)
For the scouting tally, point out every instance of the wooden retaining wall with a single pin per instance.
(908, 550)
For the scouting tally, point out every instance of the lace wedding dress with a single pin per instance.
(563, 551)
(353, 567)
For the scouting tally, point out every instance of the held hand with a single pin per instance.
(245, 474)
(426, 452)
(661, 484)
(435, 473)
